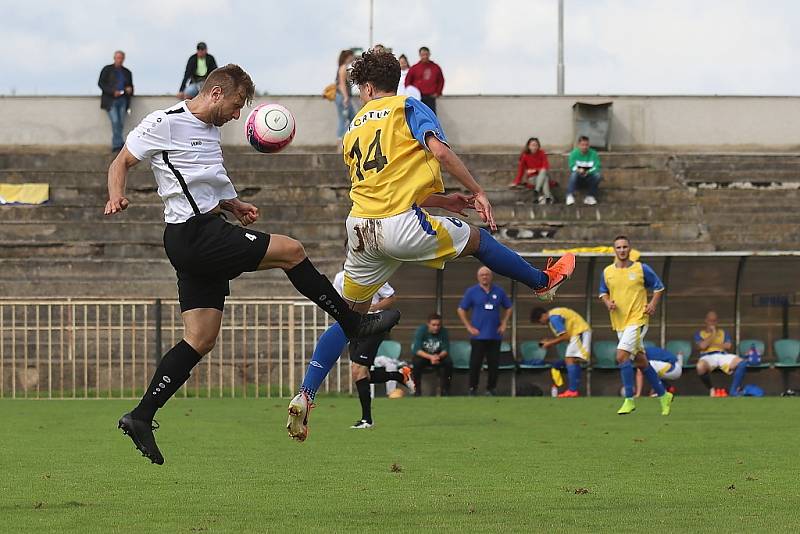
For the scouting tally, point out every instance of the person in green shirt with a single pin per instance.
(584, 166)
(430, 348)
(198, 67)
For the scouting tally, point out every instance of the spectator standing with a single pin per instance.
(431, 347)
(533, 166)
(198, 67)
(714, 344)
(404, 66)
(344, 107)
(427, 77)
(116, 82)
(486, 327)
(584, 166)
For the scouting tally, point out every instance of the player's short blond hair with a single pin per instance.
(231, 79)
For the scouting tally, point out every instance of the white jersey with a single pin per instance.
(186, 157)
(384, 292)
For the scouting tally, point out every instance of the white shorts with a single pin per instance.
(666, 370)
(579, 346)
(719, 360)
(377, 247)
(632, 339)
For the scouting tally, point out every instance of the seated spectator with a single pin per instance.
(567, 326)
(667, 366)
(198, 67)
(584, 166)
(532, 171)
(714, 345)
(430, 348)
(486, 327)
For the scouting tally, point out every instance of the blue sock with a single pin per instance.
(329, 347)
(738, 376)
(655, 382)
(504, 261)
(573, 376)
(626, 370)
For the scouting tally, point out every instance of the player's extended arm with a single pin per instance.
(454, 202)
(117, 177)
(454, 166)
(546, 343)
(245, 212)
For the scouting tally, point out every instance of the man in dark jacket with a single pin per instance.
(198, 67)
(116, 82)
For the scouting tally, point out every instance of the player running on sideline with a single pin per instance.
(623, 289)
(183, 145)
(394, 149)
(568, 326)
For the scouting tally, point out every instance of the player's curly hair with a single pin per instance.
(379, 68)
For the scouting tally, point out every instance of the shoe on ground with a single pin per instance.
(408, 380)
(568, 394)
(557, 273)
(628, 406)
(297, 424)
(590, 200)
(666, 403)
(141, 433)
(375, 323)
(363, 423)
(542, 200)
(570, 200)
(514, 185)
(712, 392)
(723, 392)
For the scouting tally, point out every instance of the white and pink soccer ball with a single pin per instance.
(270, 128)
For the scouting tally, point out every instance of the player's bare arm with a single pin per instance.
(549, 342)
(610, 304)
(650, 309)
(244, 212)
(117, 178)
(454, 202)
(383, 304)
(453, 165)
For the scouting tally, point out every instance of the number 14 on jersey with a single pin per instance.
(375, 158)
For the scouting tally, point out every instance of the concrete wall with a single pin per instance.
(639, 122)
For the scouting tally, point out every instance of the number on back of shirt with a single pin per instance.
(375, 158)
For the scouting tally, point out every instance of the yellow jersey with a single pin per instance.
(720, 337)
(564, 320)
(384, 148)
(627, 287)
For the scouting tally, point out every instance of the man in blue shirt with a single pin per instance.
(485, 326)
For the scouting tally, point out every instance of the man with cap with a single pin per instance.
(198, 67)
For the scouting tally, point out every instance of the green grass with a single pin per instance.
(469, 465)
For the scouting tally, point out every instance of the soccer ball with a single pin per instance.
(270, 128)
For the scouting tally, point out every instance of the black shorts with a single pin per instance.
(364, 351)
(207, 252)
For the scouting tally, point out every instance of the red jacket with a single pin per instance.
(427, 77)
(531, 161)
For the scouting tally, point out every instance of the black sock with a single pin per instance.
(170, 375)
(380, 375)
(706, 380)
(315, 287)
(366, 400)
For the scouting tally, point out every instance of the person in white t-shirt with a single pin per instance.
(182, 143)
(363, 354)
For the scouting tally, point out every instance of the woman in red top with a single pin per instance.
(532, 170)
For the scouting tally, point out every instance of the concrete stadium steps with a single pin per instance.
(239, 159)
(727, 168)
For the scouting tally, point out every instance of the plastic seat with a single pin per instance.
(680, 346)
(460, 352)
(787, 352)
(649, 344)
(390, 349)
(530, 350)
(561, 350)
(744, 347)
(605, 355)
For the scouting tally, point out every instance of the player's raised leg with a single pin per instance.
(201, 327)
(288, 254)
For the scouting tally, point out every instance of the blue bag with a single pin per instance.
(751, 390)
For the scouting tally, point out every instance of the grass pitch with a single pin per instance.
(457, 464)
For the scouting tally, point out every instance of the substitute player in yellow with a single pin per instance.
(568, 326)
(395, 149)
(623, 289)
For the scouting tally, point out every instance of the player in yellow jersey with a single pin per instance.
(623, 289)
(568, 326)
(395, 149)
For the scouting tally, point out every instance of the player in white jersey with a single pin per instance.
(182, 143)
(364, 352)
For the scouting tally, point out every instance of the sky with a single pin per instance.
(53, 47)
